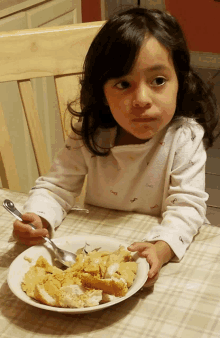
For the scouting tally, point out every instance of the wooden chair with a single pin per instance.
(46, 61)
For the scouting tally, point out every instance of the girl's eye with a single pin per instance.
(122, 85)
(159, 81)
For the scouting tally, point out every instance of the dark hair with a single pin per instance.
(113, 53)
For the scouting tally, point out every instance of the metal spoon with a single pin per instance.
(65, 257)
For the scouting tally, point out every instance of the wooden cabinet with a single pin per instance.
(49, 13)
(158, 4)
(55, 13)
(113, 6)
(45, 14)
(9, 7)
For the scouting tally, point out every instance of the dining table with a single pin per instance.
(183, 303)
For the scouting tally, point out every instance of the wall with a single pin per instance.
(199, 19)
(91, 10)
(200, 22)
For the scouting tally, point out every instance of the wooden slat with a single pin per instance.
(34, 126)
(22, 147)
(3, 177)
(8, 167)
(45, 98)
(67, 91)
(45, 51)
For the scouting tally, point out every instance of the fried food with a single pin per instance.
(96, 277)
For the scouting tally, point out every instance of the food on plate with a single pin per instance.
(28, 259)
(97, 277)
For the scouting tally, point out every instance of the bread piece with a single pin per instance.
(128, 270)
(118, 256)
(42, 296)
(114, 287)
(107, 298)
(35, 275)
(72, 296)
(77, 296)
(43, 263)
(69, 296)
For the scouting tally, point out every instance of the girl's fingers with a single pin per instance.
(28, 217)
(25, 234)
(153, 261)
(31, 241)
(25, 230)
(32, 218)
(147, 250)
(150, 281)
(22, 227)
(139, 246)
(27, 239)
(25, 224)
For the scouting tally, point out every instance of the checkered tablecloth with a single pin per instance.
(184, 302)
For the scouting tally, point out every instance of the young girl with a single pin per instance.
(145, 117)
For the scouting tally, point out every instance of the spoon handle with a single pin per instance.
(9, 206)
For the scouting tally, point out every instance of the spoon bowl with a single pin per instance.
(65, 257)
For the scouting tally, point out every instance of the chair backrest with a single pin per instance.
(39, 70)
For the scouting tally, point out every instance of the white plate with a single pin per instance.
(20, 266)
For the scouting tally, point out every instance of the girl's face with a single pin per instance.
(143, 102)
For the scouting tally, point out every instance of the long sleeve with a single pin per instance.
(54, 194)
(162, 177)
(184, 206)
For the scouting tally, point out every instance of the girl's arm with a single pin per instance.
(54, 195)
(164, 252)
(184, 207)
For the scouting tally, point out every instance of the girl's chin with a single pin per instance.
(146, 132)
(137, 139)
(143, 136)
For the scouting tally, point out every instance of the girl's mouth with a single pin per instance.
(144, 120)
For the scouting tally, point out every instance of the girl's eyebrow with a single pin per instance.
(150, 69)
(157, 67)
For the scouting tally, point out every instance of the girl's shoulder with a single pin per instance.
(102, 138)
(73, 134)
(186, 135)
(184, 125)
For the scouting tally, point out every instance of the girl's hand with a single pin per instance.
(25, 234)
(148, 251)
(156, 254)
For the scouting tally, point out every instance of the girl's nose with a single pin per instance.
(142, 96)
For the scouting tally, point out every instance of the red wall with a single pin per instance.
(91, 10)
(200, 20)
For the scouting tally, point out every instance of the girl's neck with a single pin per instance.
(125, 138)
